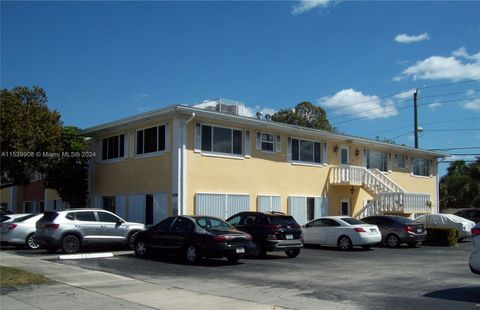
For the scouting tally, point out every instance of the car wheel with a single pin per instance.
(140, 248)
(393, 241)
(259, 251)
(344, 243)
(131, 240)
(70, 244)
(30, 242)
(292, 253)
(366, 247)
(191, 254)
(233, 258)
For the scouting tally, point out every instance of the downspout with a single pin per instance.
(183, 165)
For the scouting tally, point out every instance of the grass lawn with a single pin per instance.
(12, 276)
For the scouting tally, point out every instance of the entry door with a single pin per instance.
(345, 207)
(344, 155)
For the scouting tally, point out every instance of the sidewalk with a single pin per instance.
(79, 288)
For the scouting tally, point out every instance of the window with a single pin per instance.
(421, 167)
(107, 217)
(86, 216)
(266, 141)
(306, 151)
(182, 225)
(400, 161)
(212, 223)
(151, 140)
(164, 225)
(221, 140)
(113, 147)
(376, 160)
(344, 155)
(235, 220)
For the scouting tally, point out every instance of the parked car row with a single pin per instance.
(245, 233)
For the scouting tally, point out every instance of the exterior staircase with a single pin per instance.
(389, 197)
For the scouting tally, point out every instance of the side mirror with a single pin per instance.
(120, 222)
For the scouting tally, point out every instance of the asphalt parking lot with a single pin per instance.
(401, 278)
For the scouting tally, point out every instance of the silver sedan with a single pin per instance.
(20, 231)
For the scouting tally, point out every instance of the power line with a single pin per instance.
(399, 109)
(464, 154)
(457, 148)
(456, 129)
(447, 94)
(425, 123)
(446, 84)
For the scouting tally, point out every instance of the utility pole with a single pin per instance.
(415, 117)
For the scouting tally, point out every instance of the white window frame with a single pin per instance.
(413, 165)
(260, 141)
(221, 154)
(397, 156)
(125, 148)
(305, 163)
(158, 152)
(348, 204)
(347, 148)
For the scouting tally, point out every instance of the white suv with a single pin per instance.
(70, 229)
(475, 256)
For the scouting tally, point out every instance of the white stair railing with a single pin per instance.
(387, 180)
(389, 197)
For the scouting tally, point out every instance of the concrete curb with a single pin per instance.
(123, 289)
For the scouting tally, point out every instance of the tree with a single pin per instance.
(460, 188)
(28, 130)
(68, 173)
(304, 114)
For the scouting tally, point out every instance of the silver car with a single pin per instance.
(20, 231)
(69, 230)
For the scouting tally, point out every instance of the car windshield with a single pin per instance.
(212, 223)
(283, 220)
(352, 221)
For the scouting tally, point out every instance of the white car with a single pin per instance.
(462, 225)
(20, 231)
(342, 231)
(474, 261)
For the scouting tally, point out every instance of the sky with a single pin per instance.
(361, 61)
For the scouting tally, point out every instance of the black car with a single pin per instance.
(194, 237)
(271, 231)
(398, 229)
(472, 214)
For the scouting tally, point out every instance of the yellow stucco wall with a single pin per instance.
(270, 173)
(262, 174)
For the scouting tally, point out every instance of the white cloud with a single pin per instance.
(470, 92)
(405, 38)
(352, 101)
(473, 105)
(462, 53)
(140, 97)
(439, 67)
(308, 5)
(434, 105)
(408, 94)
(252, 112)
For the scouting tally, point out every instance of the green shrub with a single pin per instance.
(441, 236)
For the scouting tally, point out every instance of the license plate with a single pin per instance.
(419, 230)
(240, 250)
(288, 237)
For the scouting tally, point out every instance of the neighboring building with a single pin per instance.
(31, 198)
(209, 159)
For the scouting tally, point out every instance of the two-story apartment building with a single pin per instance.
(209, 159)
